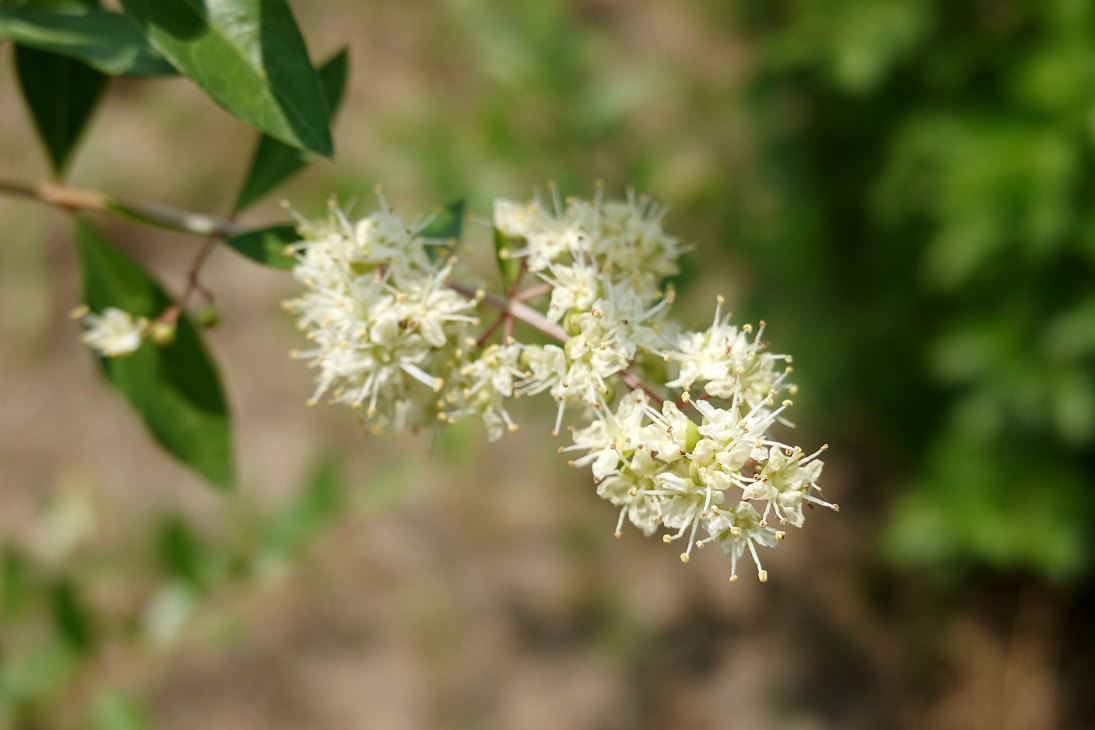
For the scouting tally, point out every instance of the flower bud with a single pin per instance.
(207, 317)
(162, 333)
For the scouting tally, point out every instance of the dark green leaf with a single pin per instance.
(71, 618)
(61, 93)
(249, 57)
(508, 267)
(291, 529)
(274, 162)
(447, 224)
(103, 40)
(175, 388)
(182, 552)
(267, 245)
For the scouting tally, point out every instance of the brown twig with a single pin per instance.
(72, 200)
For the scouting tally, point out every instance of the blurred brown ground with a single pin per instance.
(490, 594)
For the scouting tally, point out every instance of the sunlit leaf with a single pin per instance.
(103, 40)
(246, 55)
(275, 162)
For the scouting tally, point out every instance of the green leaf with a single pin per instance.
(61, 93)
(275, 162)
(246, 55)
(267, 245)
(71, 618)
(103, 40)
(447, 224)
(182, 552)
(175, 388)
(14, 582)
(289, 531)
(508, 267)
(114, 711)
(38, 675)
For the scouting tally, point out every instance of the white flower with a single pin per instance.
(392, 335)
(381, 317)
(632, 243)
(515, 220)
(730, 365)
(635, 495)
(612, 438)
(668, 435)
(482, 388)
(739, 530)
(785, 481)
(114, 333)
(575, 287)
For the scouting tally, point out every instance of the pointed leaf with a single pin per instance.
(175, 388)
(275, 162)
(267, 245)
(182, 553)
(61, 93)
(246, 55)
(71, 617)
(103, 40)
(447, 224)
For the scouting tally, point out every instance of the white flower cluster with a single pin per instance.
(675, 425)
(114, 333)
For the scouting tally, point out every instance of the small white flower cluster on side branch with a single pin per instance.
(112, 333)
(675, 425)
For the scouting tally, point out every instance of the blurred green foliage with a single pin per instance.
(937, 158)
(70, 601)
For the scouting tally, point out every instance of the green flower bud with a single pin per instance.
(207, 317)
(162, 333)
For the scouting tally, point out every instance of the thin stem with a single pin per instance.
(193, 284)
(637, 383)
(528, 315)
(72, 200)
(503, 317)
(532, 293)
(68, 199)
(517, 310)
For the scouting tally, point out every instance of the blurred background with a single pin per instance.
(903, 189)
